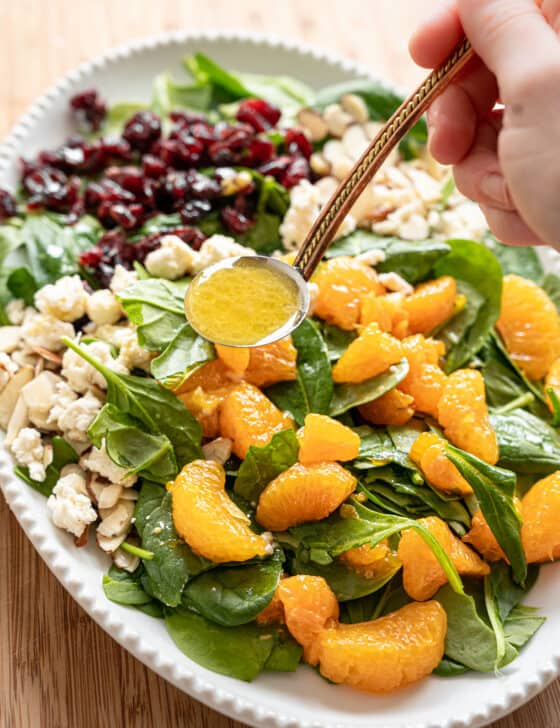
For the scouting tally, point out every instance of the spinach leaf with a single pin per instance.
(450, 668)
(322, 541)
(286, 653)
(169, 95)
(555, 402)
(521, 624)
(173, 563)
(474, 264)
(151, 456)
(381, 103)
(240, 652)
(157, 308)
(494, 489)
(118, 115)
(507, 593)
(495, 620)
(313, 389)
(504, 381)
(186, 353)
(452, 331)
(377, 447)
(469, 640)
(124, 588)
(263, 464)
(157, 408)
(519, 259)
(551, 285)
(345, 582)
(233, 595)
(63, 454)
(413, 260)
(347, 396)
(337, 340)
(527, 444)
(21, 284)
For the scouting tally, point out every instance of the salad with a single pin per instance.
(372, 496)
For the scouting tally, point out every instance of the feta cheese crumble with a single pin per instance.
(65, 300)
(29, 451)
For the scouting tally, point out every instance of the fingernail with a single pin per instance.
(493, 187)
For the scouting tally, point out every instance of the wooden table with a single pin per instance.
(57, 667)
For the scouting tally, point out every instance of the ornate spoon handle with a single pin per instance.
(346, 194)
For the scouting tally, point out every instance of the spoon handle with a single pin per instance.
(333, 213)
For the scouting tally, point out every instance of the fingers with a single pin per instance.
(436, 38)
(513, 39)
(551, 11)
(509, 227)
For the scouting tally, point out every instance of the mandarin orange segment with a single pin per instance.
(540, 532)
(272, 363)
(210, 376)
(431, 304)
(273, 613)
(205, 407)
(422, 573)
(323, 439)
(235, 358)
(428, 453)
(371, 353)
(424, 381)
(529, 325)
(387, 312)
(208, 520)
(309, 606)
(248, 418)
(552, 381)
(386, 653)
(481, 537)
(304, 493)
(392, 408)
(371, 563)
(463, 413)
(342, 282)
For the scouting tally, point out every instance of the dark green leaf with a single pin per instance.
(233, 595)
(186, 353)
(474, 264)
(337, 340)
(518, 259)
(124, 588)
(157, 308)
(21, 284)
(263, 464)
(527, 444)
(521, 624)
(551, 285)
(240, 652)
(174, 563)
(157, 408)
(286, 654)
(169, 95)
(313, 389)
(555, 401)
(494, 489)
(469, 640)
(118, 115)
(412, 259)
(507, 593)
(63, 454)
(450, 668)
(347, 396)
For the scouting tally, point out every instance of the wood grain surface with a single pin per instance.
(58, 669)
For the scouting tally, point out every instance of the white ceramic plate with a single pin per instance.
(302, 700)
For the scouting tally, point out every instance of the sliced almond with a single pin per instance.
(18, 421)
(355, 141)
(336, 119)
(218, 450)
(129, 494)
(126, 561)
(313, 123)
(355, 106)
(81, 540)
(319, 164)
(116, 520)
(109, 496)
(10, 394)
(48, 355)
(10, 337)
(109, 544)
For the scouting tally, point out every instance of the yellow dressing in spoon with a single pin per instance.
(246, 301)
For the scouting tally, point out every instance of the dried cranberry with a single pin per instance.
(105, 191)
(153, 167)
(50, 187)
(202, 132)
(116, 149)
(92, 257)
(191, 235)
(260, 151)
(7, 205)
(175, 186)
(127, 216)
(89, 109)
(194, 210)
(276, 167)
(188, 150)
(298, 170)
(235, 221)
(298, 143)
(142, 130)
(258, 113)
(185, 118)
(204, 188)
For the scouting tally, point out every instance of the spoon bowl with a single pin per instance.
(272, 299)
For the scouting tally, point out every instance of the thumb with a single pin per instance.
(513, 39)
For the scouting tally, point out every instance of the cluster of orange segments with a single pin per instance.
(226, 396)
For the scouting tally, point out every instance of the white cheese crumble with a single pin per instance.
(103, 308)
(217, 248)
(75, 418)
(15, 311)
(69, 507)
(98, 461)
(65, 300)
(122, 278)
(46, 331)
(80, 375)
(173, 259)
(29, 450)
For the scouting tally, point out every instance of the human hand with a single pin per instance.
(507, 160)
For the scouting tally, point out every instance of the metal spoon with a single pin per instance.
(343, 198)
